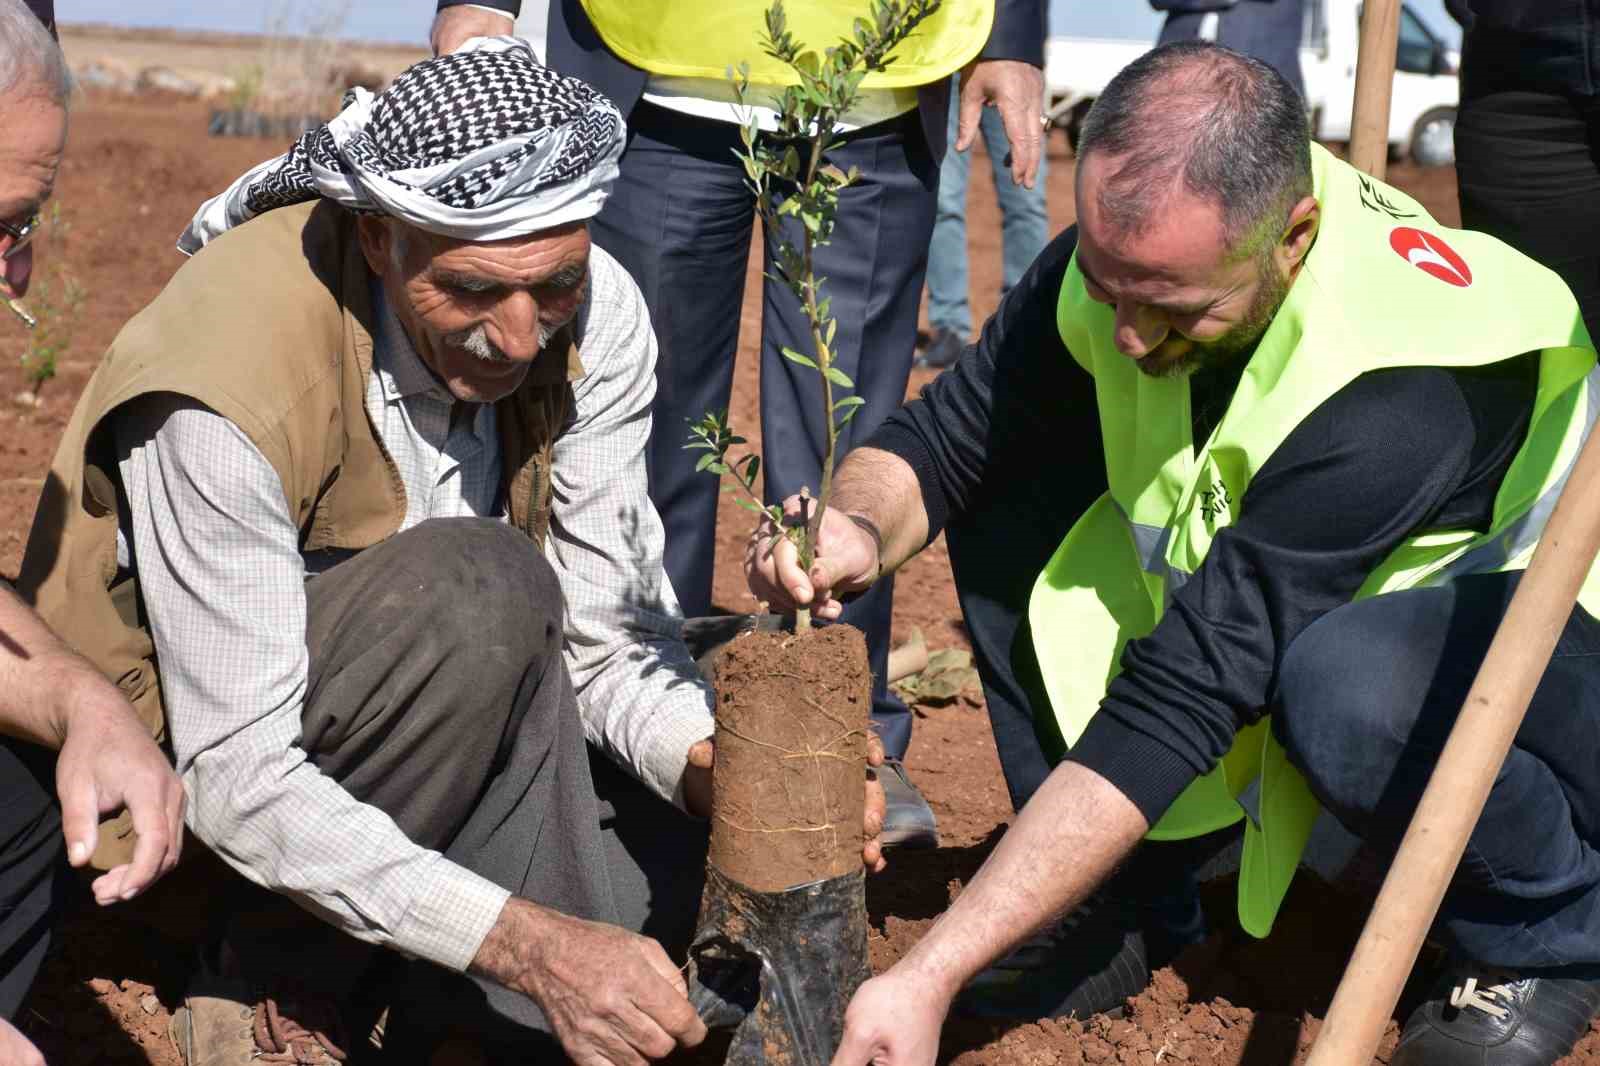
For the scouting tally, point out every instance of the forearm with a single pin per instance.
(42, 681)
(1066, 841)
(882, 488)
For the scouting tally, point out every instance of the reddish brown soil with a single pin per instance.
(135, 171)
(792, 717)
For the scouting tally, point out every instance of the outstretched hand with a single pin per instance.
(894, 1020)
(612, 996)
(846, 562)
(108, 761)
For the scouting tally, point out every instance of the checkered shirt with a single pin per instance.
(223, 582)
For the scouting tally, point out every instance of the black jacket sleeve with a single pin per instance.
(1018, 33)
(1393, 453)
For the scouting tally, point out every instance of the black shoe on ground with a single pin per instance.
(1484, 1017)
(1091, 962)
(943, 348)
(908, 821)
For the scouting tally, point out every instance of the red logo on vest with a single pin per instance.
(1429, 254)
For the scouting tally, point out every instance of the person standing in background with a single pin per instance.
(681, 220)
(1269, 30)
(1528, 131)
(1024, 222)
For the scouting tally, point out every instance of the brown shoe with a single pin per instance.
(226, 1021)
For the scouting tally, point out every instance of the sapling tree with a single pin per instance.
(797, 191)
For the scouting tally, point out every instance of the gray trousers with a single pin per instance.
(437, 693)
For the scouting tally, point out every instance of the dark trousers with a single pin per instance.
(448, 707)
(1528, 165)
(32, 871)
(1268, 30)
(1367, 695)
(680, 220)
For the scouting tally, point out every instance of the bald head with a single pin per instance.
(1215, 124)
(31, 63)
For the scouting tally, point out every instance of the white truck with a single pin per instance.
(1422, 113)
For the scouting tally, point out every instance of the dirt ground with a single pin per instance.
(136, 169)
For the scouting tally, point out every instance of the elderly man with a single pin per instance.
(682, 219)
(1300, 454)
(358, 508)
(53, 699)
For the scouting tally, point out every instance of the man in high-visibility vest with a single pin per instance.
(1237, 484)
(680, 221)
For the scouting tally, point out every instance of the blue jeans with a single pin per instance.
(1025, 226)
(1367, 695)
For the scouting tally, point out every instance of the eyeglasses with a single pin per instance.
(21, 236)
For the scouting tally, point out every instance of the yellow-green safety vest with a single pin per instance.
(1385, 285)
(702, 39)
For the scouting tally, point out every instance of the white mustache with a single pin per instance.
(476, 343)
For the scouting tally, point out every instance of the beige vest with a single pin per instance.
(271, 327)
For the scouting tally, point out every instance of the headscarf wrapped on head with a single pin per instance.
(481, 144)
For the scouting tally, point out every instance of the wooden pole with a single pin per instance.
(1466, 770)
(1369, 123)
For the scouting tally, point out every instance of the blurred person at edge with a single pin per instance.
(681, 222)
(1527, 134)
(57, 713)
(1269, 30)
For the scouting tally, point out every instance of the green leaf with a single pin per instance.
(849, 401)
(705, 461)
(752, 465)
(795, 357)
(833, 326)
(839, 377)
(848, 415)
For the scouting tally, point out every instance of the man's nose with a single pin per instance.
(1138, 330)
(17, 271)
(514, 327)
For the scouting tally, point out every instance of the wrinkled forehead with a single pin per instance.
(1147, 230)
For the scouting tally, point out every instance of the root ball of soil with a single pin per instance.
(789, 784)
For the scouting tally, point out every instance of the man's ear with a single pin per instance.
(1299, 235)
(377, 240)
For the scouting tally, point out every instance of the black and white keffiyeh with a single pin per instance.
(480, 144)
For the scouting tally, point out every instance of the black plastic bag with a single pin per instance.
(779, 968)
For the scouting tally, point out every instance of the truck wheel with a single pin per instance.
(1433, 138)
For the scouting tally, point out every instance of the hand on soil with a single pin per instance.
(891, 1022)
(612, 997)
(109, 762)
(846, 563)
(16, 1049)
(453, 26)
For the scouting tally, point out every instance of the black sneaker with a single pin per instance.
(943, 349)
(1091, 962)
(1484, 1017)
(908, 821)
